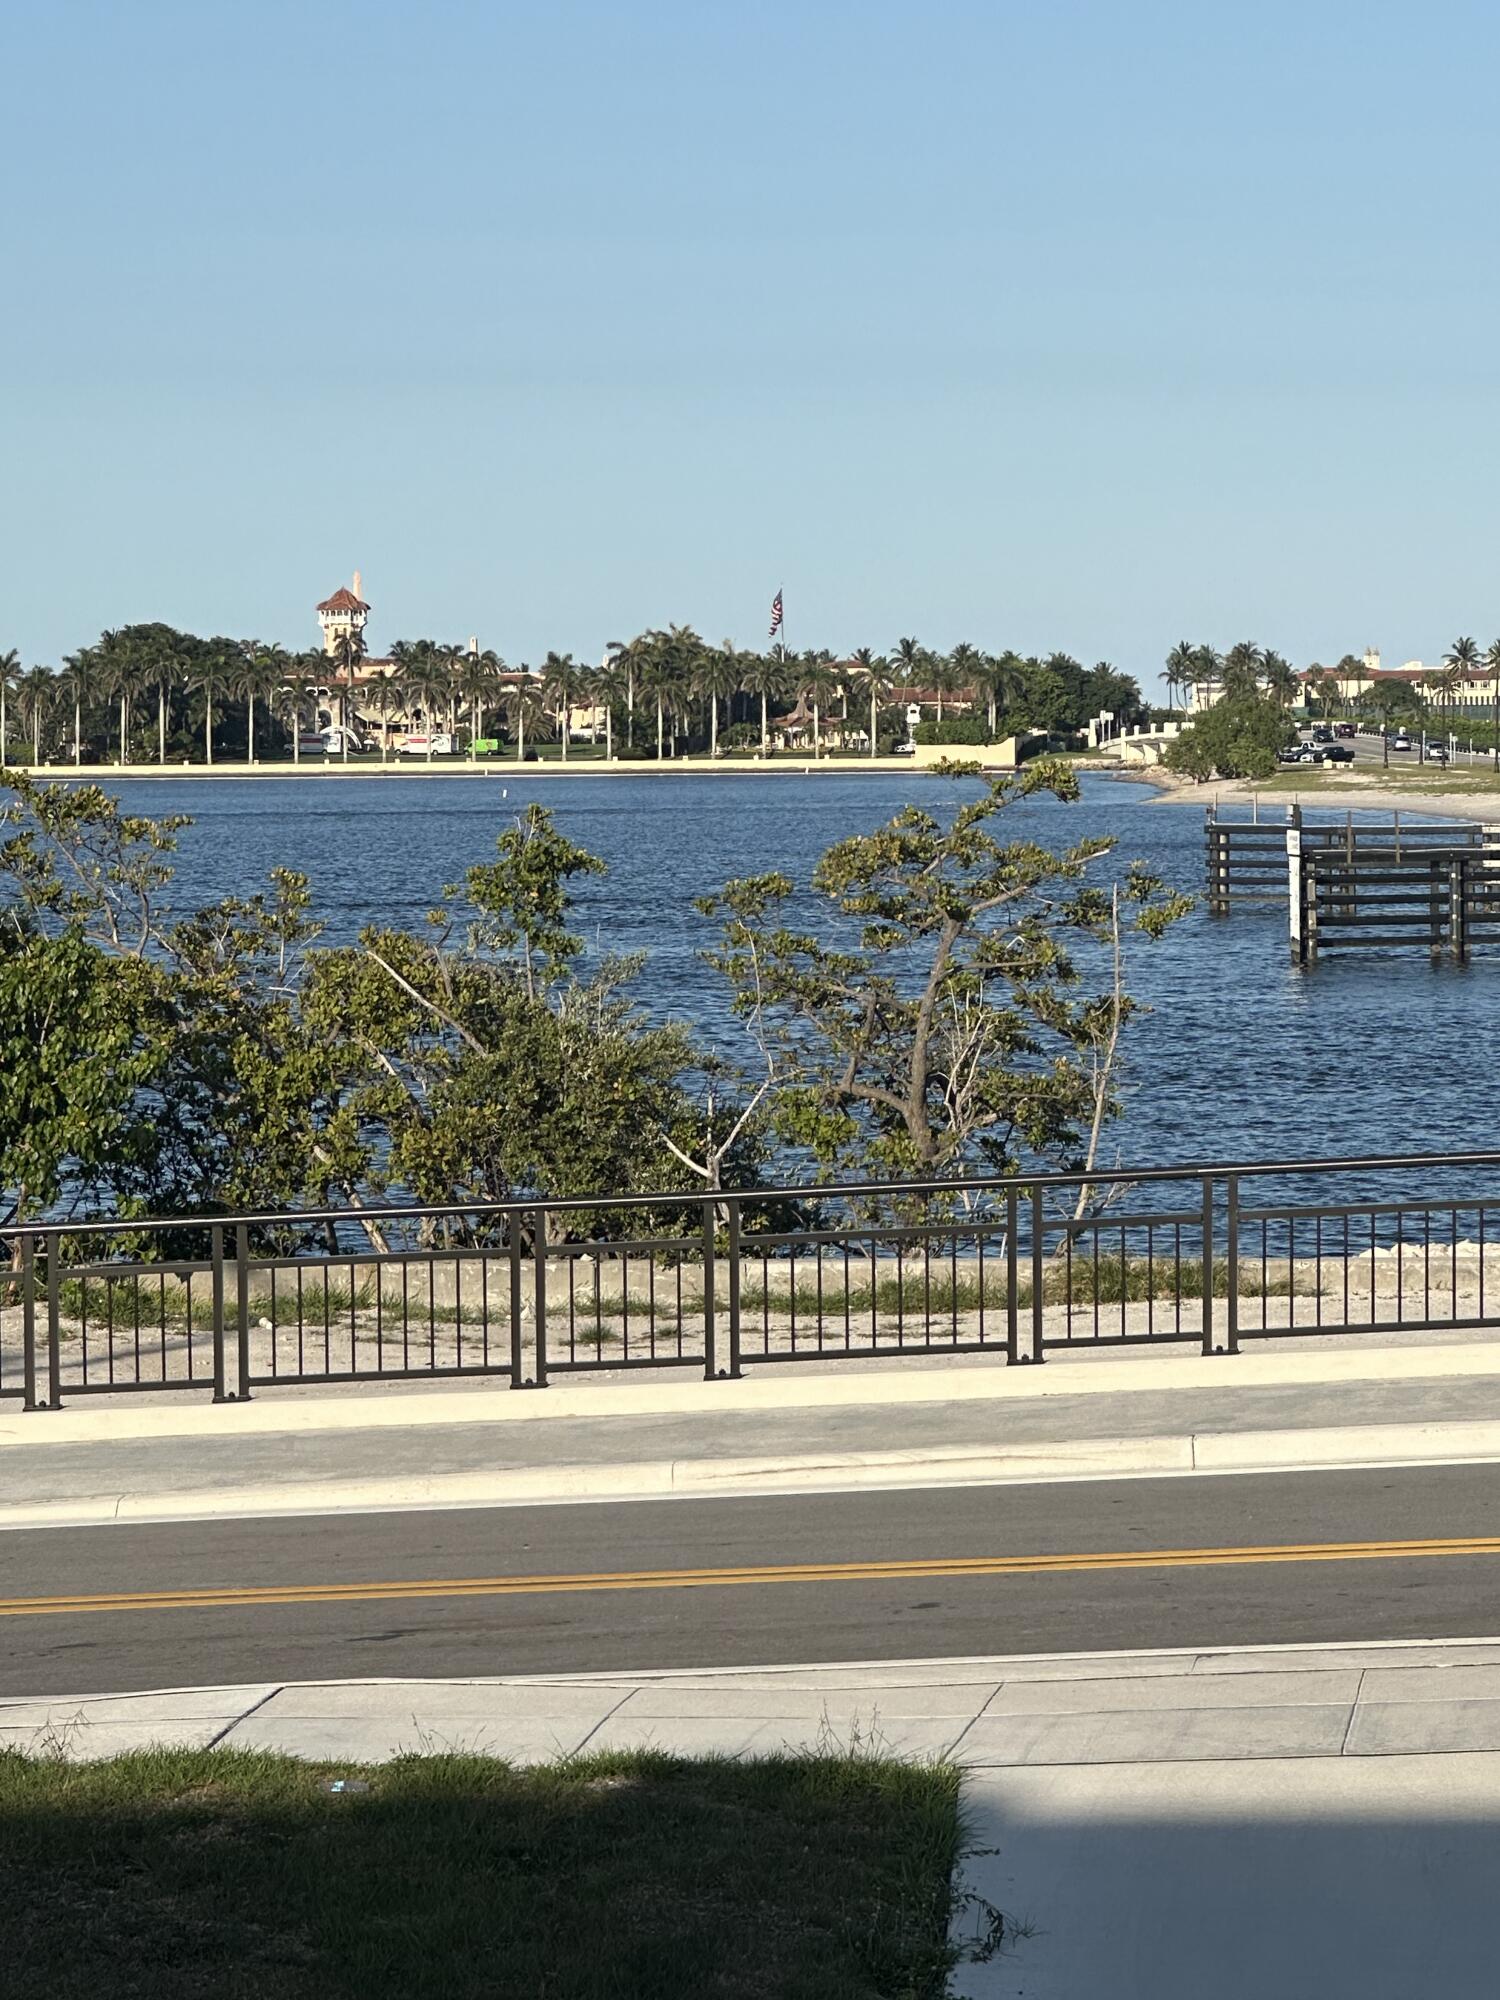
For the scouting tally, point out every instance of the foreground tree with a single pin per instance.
(952, 1033)
(1238, 737)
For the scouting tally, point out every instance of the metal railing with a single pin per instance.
(528, 1291)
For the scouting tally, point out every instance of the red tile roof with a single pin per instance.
(343, 599)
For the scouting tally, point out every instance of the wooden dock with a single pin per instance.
(1380, 884)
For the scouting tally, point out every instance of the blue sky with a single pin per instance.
(1047, 324)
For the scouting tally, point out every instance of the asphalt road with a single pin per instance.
(1367, 752)
(639, 1610)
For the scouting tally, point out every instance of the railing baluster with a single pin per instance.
(28, 1323)
(1208, 1264)
(216, 1269)
(1232, 1258)
(242, 1311)
(54, 1319)
(710, 1279)
(732, 1252)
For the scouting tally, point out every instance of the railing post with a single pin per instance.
(216, 1269)
(242, 1309)
(1208, 1264)
(1458, 928)
(1232, 1254)
(1038, 1275)
(732, 1251)
(54, 1321)
(517, 1330)
(28, 1324)
(1012, 1277)
(710, 1355)
(539, 1258)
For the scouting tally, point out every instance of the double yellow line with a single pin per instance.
(251, 1597)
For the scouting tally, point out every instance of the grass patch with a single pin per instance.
(617, 1877)
(1112, 1280)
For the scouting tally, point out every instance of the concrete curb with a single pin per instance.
(1202, 1454)
(983, 1381)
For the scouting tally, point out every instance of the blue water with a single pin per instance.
(1241, 1057)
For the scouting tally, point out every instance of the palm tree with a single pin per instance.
(1280, 679)
(1491, 660)
(478, 685)
(425, 679)
(10, 667)
(1003, 679)
(36, 691)
(765, 675)
(1461, 661)
(631, 655)
(910, 660)
(1207, 668)
(1181, 665)
(123, 674)
(817, 682)
(259, 676)
(946, 675)
(561, 678)
(525, 702)
(214, 677)
(719, 677)
(1242, 665)
(656, 675)
(883, 679)
(607, 686)
(79, 681)
(348, 651)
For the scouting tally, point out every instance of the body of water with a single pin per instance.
(1241, 1057)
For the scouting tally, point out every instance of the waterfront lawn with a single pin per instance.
(638, 1877)
(1418, 781)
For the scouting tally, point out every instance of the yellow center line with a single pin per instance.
(252, 1595)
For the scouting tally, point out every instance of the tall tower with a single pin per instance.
(342, 614)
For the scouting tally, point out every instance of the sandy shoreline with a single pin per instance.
(1336, 795)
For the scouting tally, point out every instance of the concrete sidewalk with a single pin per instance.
(1294, 1821)
(1234, 1704)
(957, 1425)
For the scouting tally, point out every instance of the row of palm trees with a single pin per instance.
(648, 691)
(1198, 670)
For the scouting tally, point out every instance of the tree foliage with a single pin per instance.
(1237, 738)
(942, 1017)
(938, 1022)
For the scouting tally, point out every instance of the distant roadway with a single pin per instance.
(1273, 1558)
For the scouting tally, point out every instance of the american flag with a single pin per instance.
(775, 614)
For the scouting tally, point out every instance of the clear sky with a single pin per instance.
(1055, 324)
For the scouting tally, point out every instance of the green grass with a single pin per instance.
(179, 1875)
(1113, 1281)
(1119, 1281)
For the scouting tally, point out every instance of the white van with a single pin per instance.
(421, 745)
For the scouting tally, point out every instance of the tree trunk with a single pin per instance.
(713, 725)
(161, 722)
(250, 731)
(659, 724)
(817, 733)
(765, 732)
(208, 727)
(874, 717)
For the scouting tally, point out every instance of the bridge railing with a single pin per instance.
(523, 1292)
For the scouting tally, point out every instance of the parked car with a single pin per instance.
(1293, 754)
(1337, 753)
